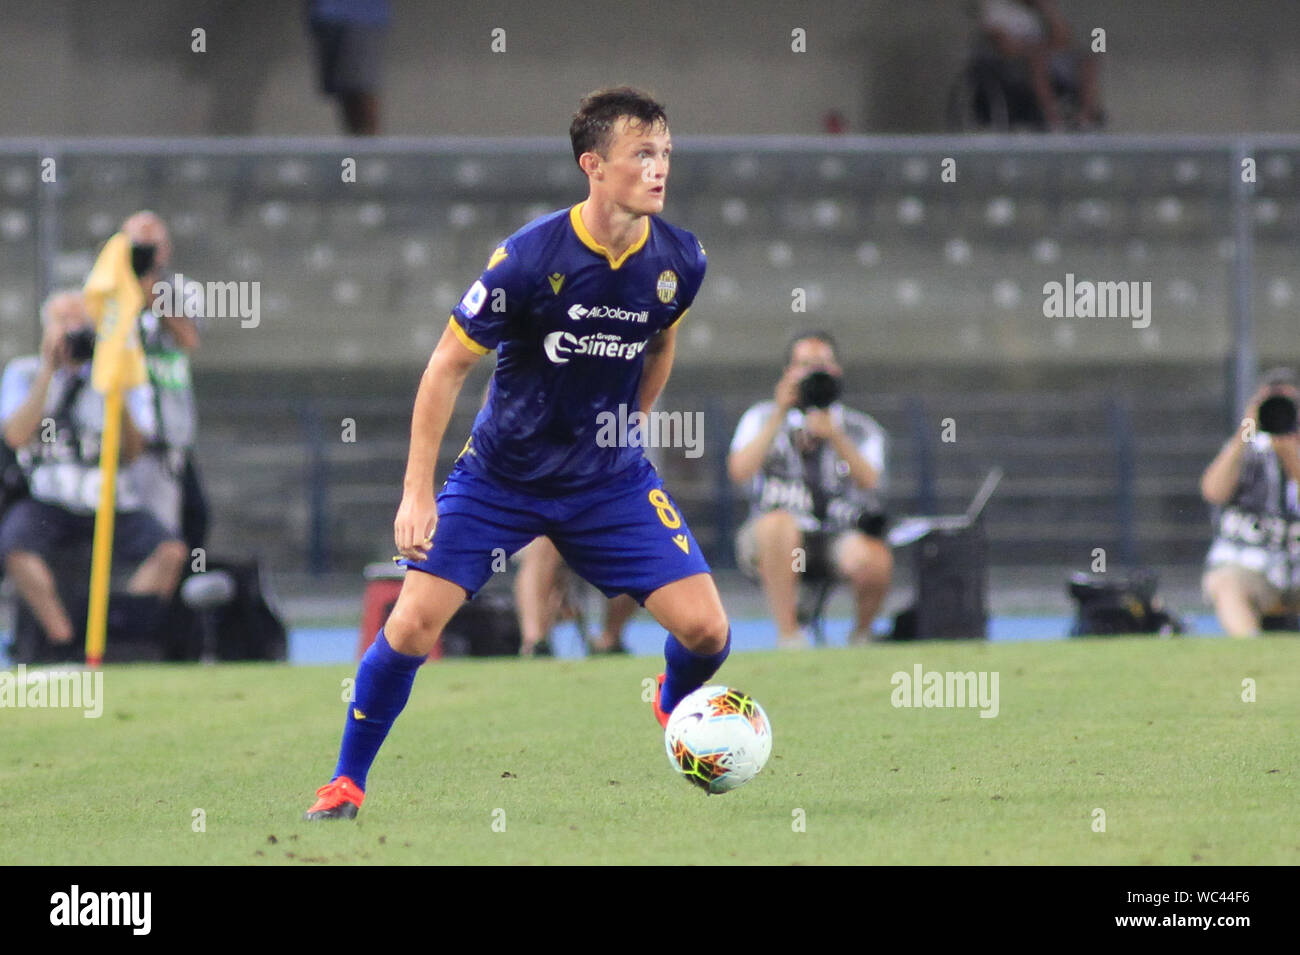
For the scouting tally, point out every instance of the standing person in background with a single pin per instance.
(1253, 567)
(165, 473)
(349, 37)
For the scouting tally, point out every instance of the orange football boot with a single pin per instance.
(339, 799)
(660, 715)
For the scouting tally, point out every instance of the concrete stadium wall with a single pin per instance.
(110, 67)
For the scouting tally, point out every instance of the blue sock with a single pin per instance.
(383, 686)
(687, 671)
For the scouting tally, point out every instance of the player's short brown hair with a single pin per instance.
(593, 124)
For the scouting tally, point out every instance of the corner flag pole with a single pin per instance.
(101, 560)
(114, 299)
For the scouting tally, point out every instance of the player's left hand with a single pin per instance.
(817, 422)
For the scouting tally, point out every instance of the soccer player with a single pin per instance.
(582, 307)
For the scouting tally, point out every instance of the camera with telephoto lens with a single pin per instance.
(1277, 415)
(143, 257)
(80, 344)
(818, 389)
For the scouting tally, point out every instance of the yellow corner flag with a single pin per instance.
(114, 300)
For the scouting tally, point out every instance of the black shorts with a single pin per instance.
(31, 525)
(350, 56)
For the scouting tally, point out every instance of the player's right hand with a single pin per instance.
(413, 529)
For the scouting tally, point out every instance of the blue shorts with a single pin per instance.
(626, 536)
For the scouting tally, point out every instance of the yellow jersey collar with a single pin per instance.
(585, 237)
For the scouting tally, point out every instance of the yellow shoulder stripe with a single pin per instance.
(465, 340)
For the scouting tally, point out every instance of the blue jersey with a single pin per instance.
(570, 327)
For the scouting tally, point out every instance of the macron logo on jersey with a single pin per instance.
(579, 312)
(560, 346)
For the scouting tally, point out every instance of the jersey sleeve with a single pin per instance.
(692, 279)
(483, 317)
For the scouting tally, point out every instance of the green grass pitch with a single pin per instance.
(528, 762)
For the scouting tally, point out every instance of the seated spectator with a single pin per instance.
(54, 420)
(1251, 569)
(1032, 39)
(540, 595)
(815, 469)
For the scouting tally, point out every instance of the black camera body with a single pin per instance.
(818, 389)
(1277, 415)
(80, 344)
(143, 258)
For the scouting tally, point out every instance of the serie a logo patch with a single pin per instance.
(666, 287)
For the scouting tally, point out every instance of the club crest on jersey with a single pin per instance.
(666, 287)
(557, 281)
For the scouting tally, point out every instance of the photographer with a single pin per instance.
(54, 419)
(166, 474)
(1253, 567)
(815, 470)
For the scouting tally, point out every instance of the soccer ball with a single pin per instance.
(718, 738)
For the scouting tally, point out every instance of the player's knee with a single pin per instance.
(705, 633)
(412, 629)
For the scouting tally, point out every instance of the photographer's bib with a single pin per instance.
(1268, 544)
(1259, 529)
(61, 461)
(74, 486)
(814, 486)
